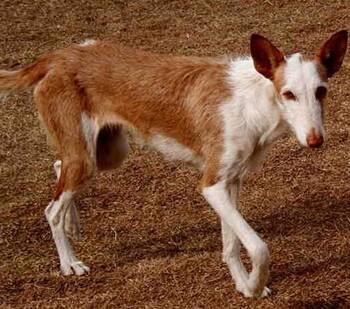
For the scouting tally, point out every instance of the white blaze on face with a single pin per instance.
(304, 112)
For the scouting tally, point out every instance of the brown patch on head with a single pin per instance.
(321, 70)
(278, 78)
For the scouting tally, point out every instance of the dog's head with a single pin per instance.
(301, 84)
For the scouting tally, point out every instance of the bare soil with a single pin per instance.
(149, 237)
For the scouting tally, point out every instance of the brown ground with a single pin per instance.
(149, 237)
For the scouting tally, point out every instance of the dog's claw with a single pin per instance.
(266, 292)
(248, 293)
(78, 268)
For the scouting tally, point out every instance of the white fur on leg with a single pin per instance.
(230, 254)
(219, 198)
(72, 222)
(231, 248)
(55, 214)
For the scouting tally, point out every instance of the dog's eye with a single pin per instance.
(321, 93)
(289, 95)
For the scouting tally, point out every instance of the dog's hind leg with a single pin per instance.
(73, 131)
(111, 149)
(72, 221)
(75, 171)
(77, 167)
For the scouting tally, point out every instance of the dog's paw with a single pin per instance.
(250, 294)
(266, 292)
(75, 268)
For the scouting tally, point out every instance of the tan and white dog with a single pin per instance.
(218, 113)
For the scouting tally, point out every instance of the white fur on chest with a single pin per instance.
(251, 119)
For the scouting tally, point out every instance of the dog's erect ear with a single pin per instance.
(266, 56)
(332, 52)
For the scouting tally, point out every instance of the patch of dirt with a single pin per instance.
(149, 237)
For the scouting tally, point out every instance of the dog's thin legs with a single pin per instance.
(55, 214)
(218, 197)
(72, 222)
(75, 170)
(232, 248)
(231, 256)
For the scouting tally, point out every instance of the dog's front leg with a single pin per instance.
(219, 198)
(231, 248)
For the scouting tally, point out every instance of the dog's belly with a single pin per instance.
(173, 150)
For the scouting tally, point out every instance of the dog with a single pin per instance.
(220, 114)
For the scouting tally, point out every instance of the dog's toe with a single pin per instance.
(266, 292)
(248, 293)
(75, 268)
(80, 268)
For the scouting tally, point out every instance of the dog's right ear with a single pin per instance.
(267, 58)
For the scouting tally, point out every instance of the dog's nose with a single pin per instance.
(314, 140)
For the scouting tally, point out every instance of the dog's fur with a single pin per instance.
(218, 113)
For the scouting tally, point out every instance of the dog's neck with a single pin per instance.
(254, 108)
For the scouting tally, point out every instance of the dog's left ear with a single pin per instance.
(267, 57)
(332, 52)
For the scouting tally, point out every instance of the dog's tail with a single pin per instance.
(29, 76)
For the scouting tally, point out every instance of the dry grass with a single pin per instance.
(149, 237)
